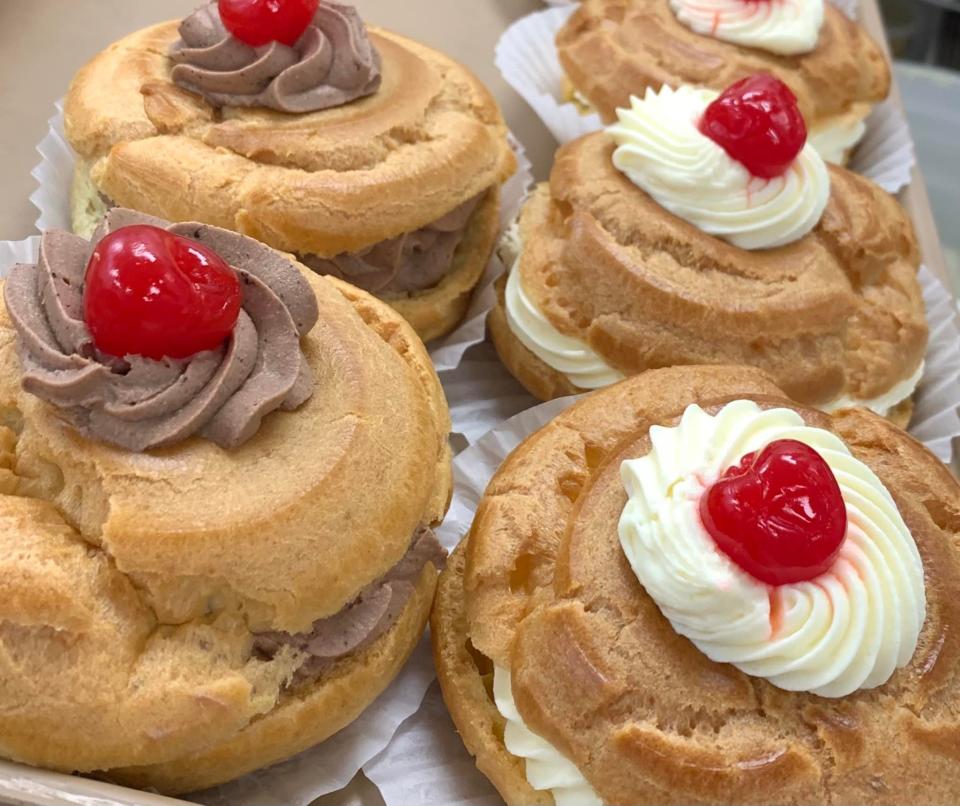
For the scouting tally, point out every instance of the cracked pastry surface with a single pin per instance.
(541, 587)
(135, 584)
(612, 49)
(321, 184)
(835, 314)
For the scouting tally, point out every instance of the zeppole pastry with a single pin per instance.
(369, 156)
(688, 589)
(612, 49)
(217, 549)
(703, 229)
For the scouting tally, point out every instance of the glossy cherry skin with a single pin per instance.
(257, 22)
(757, 122)
(778, 514)
(151, 293)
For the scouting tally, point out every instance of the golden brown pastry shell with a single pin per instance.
(838, 312)
(612, 49)
(322, 183)
(303, 717)
(131, 585)
(542, 588)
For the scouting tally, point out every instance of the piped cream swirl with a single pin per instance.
(846, 630)
(661, 150)
(331, 64)
(546, 768)
(137, 403)
(786, 27)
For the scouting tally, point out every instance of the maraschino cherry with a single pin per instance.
(149, 292)
(257, 22)
(778, 514)
(757, 122)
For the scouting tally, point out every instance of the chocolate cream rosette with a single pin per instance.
(613, 49)
(369, 156)
(220, 477)
(705, 229)
(689, 589)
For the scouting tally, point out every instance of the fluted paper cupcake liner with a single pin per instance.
(427, 764)
(54, 174)
(526, 56)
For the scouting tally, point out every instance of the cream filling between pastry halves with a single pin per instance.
(546, 768)
(586, 369)
(835, 140)
(569, 356)
(881, 404)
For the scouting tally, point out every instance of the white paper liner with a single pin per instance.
(527, 58)
(936, 422)
(885, 155)
(427, 764)
(54, 174)
(482, 394)
(14, 252)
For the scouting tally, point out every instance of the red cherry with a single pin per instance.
(779, 514)
(257, 22)
(152, 293)
(758, 123)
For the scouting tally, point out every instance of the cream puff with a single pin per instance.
(689, 589)
(612, 49)
(703, 229)
(369, 156)
(217, 549)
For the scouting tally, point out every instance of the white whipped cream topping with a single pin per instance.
(779, 26)
(661, 150)
(848, 629)
(547, 769)
(881, 404)
(575, 359)
(835, 140)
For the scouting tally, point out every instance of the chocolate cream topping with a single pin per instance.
(411, 262)
(331, 64)
(374, 611)
(138, 403)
